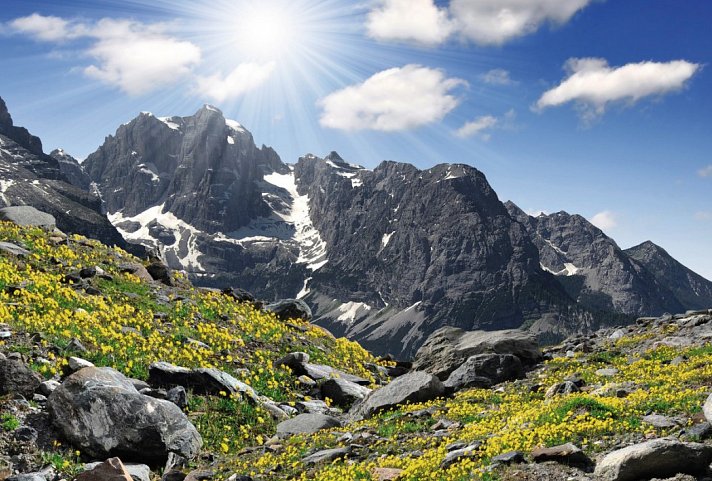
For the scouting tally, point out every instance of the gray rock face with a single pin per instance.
(657, 458)
(343, 392)
(70, 168)
(26, 215)
(413, 387)
(485, 370)
(326, 456)
(290, 309)
(17, 378)
(448, 348)
(200, 380)
(307, 424)
(100, 412)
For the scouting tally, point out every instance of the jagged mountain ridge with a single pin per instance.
(30, 177)
(385, 256)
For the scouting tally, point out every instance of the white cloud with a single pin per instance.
(419, 21)
(391, 100)
(486, 22)
(132, 56)
(246, 77)
(494, 22)
(705, 171)
(479, 127)
(497, 76)
(137, 59)
(47, 28)
(605, 220)
(592, 84)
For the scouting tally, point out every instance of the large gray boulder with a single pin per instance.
(449, 347)
(26, 215)
(306, 424)
(416, 386)
(485, 370)
(343, 392)
(290, 309)
(101, 413)
(659, 458)
(200, 380)
(17, 378)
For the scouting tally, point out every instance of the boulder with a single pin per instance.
(290, 309)
(707, 409)
(100, 412)
(294, 360)
(568, 454)
(456, 455)
(319, 372)
(511, 457)
(13, 249)
(28, 216)
(485, 370)
(306, 424)
(200, 380)
(110, 470)
(561, 388)
(416, 386)
(343, 392)
(160, 272)
(136, 269)
(17, 378)
(138, 472)
(326, 456)
(449, 347)
(659, 458)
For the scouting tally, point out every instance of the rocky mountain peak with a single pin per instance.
(18, 134)
(71, 169)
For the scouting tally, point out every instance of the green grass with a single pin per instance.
(9, 422)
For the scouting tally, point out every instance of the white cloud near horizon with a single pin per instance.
(486, 22)
(478, 127)
(605, 220)
(47, 28)
(705, 171)
(245, 77)
(418, 21)
(392, 100)
(593, 85)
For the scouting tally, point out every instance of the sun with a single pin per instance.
(267, 30)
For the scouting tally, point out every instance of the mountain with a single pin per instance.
(30, 177)
(384, 256)
(71, 169)
(595, 272)
(692, 290)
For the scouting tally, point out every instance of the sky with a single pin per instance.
(597, 107)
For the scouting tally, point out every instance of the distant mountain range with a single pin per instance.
(384, 256)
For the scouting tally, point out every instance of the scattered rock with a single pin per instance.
(293, 360)
(416, 386)
(26, 215)
(343, 392)
(327, 456)
(607, 372)
(568, 453)
(13, 249)
(138, 472)
(386, 474)
(561, 388)
(485, 370)
(77, 363)
(290, 309)
(17, 378)
(177, 396)
(656, 458)
(110, 470)
(699, 431)
(100, 412)
(136, 269)
(456, 455)
(661, 422)
(512, 457)
(201, 380)
(306, 424)
(449, 347)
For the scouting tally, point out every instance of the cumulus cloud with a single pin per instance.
(392, 100)
(478, 127)
(605, 220)
(132, 56)
(592, 84)
(486, 22)
(47, 28)
(705, 171)
(419, 21)
(246, 77)
(497, 76)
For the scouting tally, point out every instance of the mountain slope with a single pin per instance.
(30, 177)
(692, 290)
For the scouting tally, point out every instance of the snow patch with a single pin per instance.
(386, 239)
(4, 185)
(230, 140)
(305, 290)
(235, 125)
(169, 122)
(350, 311)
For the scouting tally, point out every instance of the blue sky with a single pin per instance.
(602, 108)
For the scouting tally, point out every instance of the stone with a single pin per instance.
(290, 309)
(110, 470)
(306, 424)
(449, 347)
(416, 386)
(306, 381)
(660, 422)
(699, 431)
(607, 372)
(343, 392)
(160, 272)
(617, 334)
(293, 360)
(275, 411)
(568, 454)
(319, 372)
(138, 472)
(178, 396)
(87, 272)
(136, 269)
(17, 378)
(76, 345)
(660, 458)
(512, 457)
(326, 456)
(485, 370)
(200, 475)
(386, 474)
(101, 413)
(77, 363)
(28, 477)
(456, 455)
(26, 215)
(13, 249)
(25, 434)
(200, 380)
(707, 409)
(561, 388)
